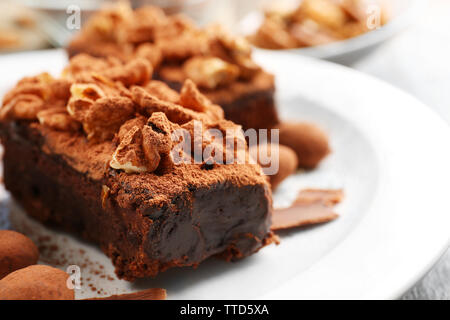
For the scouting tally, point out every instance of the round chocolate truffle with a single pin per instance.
(37, 282)
(287, 162)
(309, 142)
(16, 252)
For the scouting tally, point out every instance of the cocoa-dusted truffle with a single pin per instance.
(309, 142)
(16, 251)
(287, 162)
(37, 282)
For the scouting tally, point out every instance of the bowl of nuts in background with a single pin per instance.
(342, 31)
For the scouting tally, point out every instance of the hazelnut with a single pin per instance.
(36, 282)
(16, 251)
(309, 142)
(287, 162)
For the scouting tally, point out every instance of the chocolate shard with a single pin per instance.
(312, 206)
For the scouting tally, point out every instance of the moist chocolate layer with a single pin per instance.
(145, 223)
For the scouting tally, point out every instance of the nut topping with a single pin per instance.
(23, 106)
(105, 116)
(58, 119)
(210, 72)
(191, 98)
(129, 155)
(119, 108)
(141, 147)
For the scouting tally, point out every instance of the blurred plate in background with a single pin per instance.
(403, 13)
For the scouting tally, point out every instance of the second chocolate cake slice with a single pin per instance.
(220, 64)
(93, 152)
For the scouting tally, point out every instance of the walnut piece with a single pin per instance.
(105, 116)
(135, 72)
(183, 46)
(156, 139)
(162, 91)
(191, 98)
(83, 96)
(23, 106)
(83, 64)
(233, 49)
(139, 122)
(150, 52)
(272, 34)
(100, 115)
(58, 119)
(34, 94)
(37, 86)
(86, 69)
(324, 12)
(142, 146)
(149, 104)
(129, 156)
(89, 91)
(210, 72)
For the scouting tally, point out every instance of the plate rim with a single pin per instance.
(395, 290)
(366, 40)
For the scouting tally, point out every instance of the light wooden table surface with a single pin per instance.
(418, 61)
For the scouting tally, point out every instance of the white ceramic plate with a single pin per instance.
(390, 155)
(404, 13)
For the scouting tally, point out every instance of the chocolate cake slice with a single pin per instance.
(220, 64)
(93, 153)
